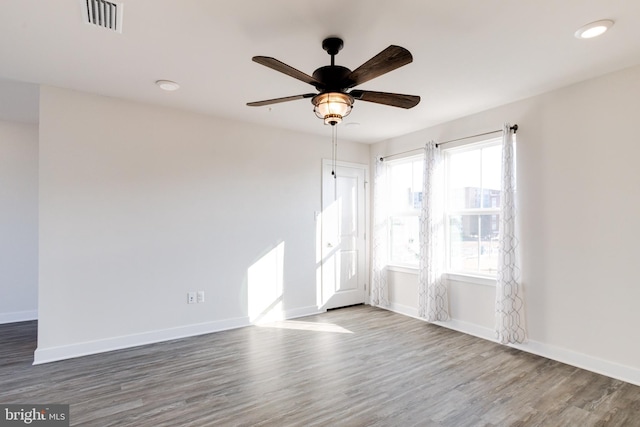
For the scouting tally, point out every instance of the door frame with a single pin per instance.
(327, 165)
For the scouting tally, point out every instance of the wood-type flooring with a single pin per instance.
(357, 366)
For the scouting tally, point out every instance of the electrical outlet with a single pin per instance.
(200, 296)
(191, 297)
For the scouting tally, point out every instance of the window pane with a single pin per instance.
(404, 240)
(490, 198)
(405, 197)
(465, 180)
(405, 186)
(474, 243)
(473, 182)
(463, 237)
(418, 174)
(491, 168)
(400, 193)
(488, 263)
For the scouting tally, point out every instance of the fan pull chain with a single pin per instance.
(334, 149)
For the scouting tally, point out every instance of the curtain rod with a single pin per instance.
(514, 128)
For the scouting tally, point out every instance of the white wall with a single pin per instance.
(18, 222)
(578, 177)
(140, 204)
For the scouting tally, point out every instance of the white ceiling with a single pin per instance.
(469, 55)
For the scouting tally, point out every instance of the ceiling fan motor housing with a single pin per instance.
(332, 78)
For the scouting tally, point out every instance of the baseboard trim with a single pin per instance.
(279, 315)
(303, 312)
(53, 354)
(583, 361)
(579, 360)
(403, 309)
(18, 316)
(469, 329)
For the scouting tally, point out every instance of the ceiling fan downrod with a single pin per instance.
(332, 45)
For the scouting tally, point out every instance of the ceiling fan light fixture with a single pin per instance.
(332, 107)
(593, 29)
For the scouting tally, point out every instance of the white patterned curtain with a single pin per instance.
(379, 290)
(510, 325)
(433, 304)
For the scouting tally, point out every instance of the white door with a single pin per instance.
(344, 262)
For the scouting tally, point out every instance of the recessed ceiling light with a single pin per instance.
(593, 29)
(167, 85)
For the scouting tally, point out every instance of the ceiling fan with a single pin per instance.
(334, 82)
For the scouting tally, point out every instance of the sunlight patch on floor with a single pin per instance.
(306, 326)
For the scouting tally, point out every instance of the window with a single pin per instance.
(405, 199)
(472, 208)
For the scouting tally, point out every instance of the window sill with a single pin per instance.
(456, 277)
(469, 278)
(403, 269)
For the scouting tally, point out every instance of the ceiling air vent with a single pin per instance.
(104, 14)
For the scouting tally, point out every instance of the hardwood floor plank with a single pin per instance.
(358, 366)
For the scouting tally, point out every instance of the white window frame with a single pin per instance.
(464, 275)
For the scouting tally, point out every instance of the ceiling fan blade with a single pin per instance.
(277, 100)
(388, 60)
(386, 98)
(274, 64)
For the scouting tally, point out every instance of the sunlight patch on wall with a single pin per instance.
(265, 286)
